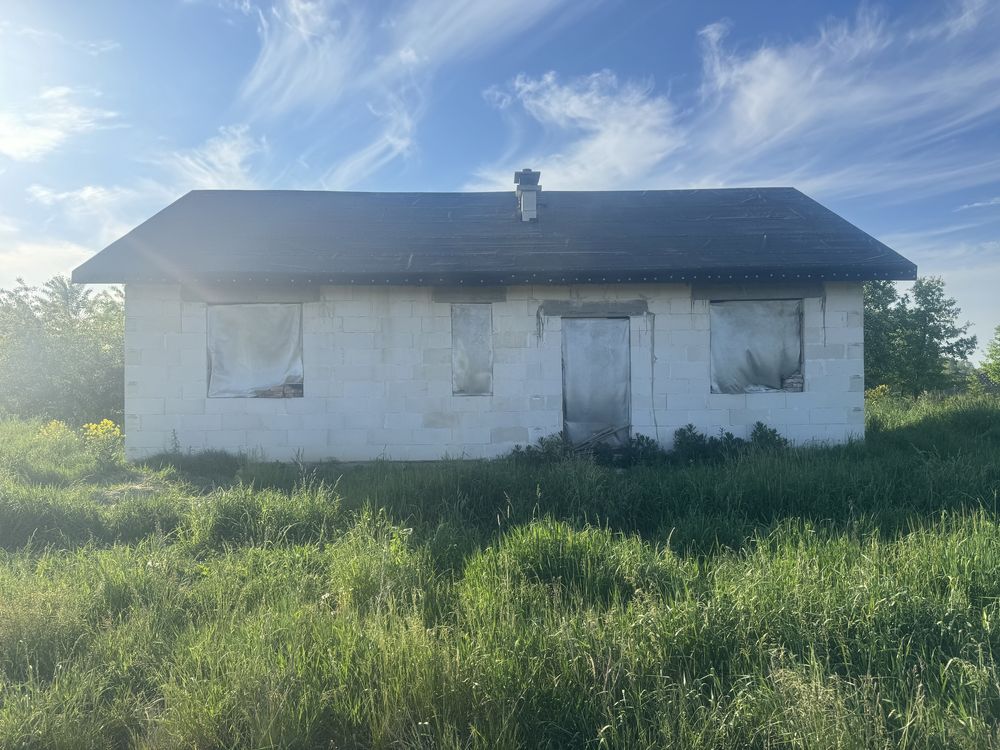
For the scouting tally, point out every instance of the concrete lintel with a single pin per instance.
(757, 290)
(250, 293)
(597, 309)
(468, 294)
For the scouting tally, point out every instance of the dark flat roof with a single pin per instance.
(478, 238)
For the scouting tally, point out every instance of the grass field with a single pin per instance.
(839, 597)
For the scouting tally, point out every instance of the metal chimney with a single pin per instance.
(527, 188)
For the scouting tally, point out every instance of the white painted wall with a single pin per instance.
(378, 376)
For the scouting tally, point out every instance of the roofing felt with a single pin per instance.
(478, 238)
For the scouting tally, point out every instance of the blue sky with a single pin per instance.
(888, 113)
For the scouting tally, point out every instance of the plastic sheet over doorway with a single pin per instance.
(596, 375)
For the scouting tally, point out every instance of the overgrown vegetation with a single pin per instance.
(991, 364)
(759, 597)
(689, 446)
(62, 352)
(914, 342)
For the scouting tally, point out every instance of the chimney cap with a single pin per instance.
(527, 177)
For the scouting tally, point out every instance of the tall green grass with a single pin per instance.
(841, 597)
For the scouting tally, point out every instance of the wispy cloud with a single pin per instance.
(310, 53)
(980, 204)
(395, 139)
(863, 107)
(314, 53)
(93, 47)
(962, 16)
(372, 64)
(246, 7)
(8, 225)
(617, 132)
(96, 209)
(223, 161)
(434, 32)
(102, 213)
(889, 109)
(55, 115)
(944, 244)
(84, 199)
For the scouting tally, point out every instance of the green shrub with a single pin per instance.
(640, 449)
(691, 446)
(548, 449)
(763, 437)
(104, 439)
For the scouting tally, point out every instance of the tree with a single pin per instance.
(881, 323)
(913, 342)
(991, 365)
(61, 352)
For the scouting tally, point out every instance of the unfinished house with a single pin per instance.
(356, 326)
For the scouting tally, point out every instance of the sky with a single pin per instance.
(886, 112)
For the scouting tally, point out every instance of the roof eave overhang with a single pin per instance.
(473, 278)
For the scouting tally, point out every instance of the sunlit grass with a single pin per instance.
(840, 597)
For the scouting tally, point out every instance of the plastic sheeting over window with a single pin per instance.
(756, 346)
(472, 350)
(596, 375)
(255, 351)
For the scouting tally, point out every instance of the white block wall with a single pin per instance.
(377, 378)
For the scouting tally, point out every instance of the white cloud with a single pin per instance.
(86, 199)
(310, 53)
(245, 7)
(860, 108)
(619, 131)
(30, 132)
(926, 240)
(408, 56)
(822, 111)
(315, 53)
(92, 47)
(438, 31)
(100, 211)
(980, 204)
(223, 161)
(498, 98)
(943, 251)
(395, 139)
(754, 101)
(963, 16)
(39, 260)
(370, 60)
